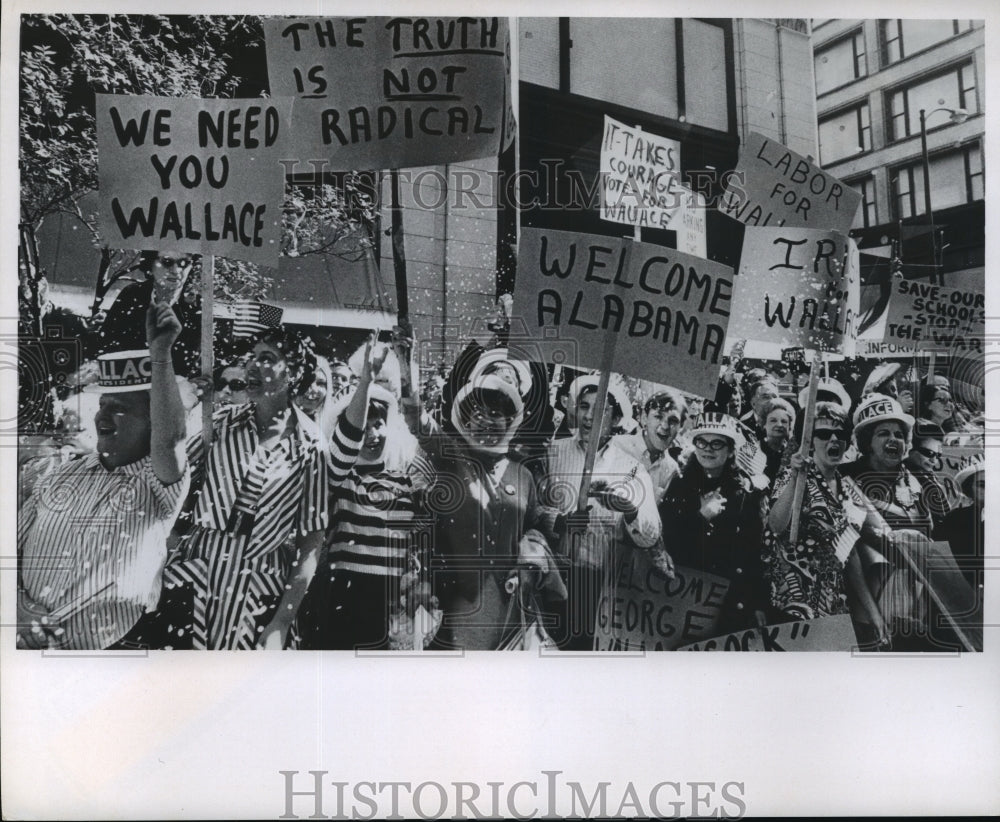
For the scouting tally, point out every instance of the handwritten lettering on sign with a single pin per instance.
(186, 174)
(647, 612)
(926, 316)
(670, 310)
(835, 633)
(774, 186)
(794, 289)
(392, 92)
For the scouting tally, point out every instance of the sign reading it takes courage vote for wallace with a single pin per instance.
(393, 92)
(668, 310)
(774, 186)
(189, 174)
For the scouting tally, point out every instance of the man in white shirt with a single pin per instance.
(662, 417)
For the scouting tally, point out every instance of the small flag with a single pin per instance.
(250, 318)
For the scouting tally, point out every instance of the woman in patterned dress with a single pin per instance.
(820, 574)
(260, 509)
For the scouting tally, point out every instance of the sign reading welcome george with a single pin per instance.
(645, 611)
(774, 186)
(393, 92)
(670, 310)
(196, 175)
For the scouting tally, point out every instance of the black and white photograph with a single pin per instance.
(388, 343)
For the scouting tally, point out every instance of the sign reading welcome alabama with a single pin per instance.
(393, 92)
(189, 174)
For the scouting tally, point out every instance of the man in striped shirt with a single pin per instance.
(92, 531)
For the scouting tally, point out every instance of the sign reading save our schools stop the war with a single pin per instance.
(392, 92)
(833, 633)
(196, 175)
(640, 177)
(774, 186)
(926, 316)
(642, 610)
(793, 289)
(669, 310)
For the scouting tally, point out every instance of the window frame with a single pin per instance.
(913, 167)
(863, 130)
(857, 56)
(958, 27)
(955, 70)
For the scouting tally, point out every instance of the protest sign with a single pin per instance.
(669, 309)
(956, 457)
(774, 186)
(924, 316)
(393, 92)
(640, 177)
(793, 289)
(834, 633)
(691, 224)
(195, 175)
(645, 611)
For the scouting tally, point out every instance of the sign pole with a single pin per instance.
(207, 330)
(807, 426)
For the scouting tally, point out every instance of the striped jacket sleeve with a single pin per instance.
(344, 447)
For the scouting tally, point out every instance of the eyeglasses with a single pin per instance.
(232, 385)
(168, 262)
(710, 445)
(927, 452)
(826, 434)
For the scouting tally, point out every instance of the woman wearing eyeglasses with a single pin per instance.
(167, 275)
(820, 573)
(713, 520)
(230, 385)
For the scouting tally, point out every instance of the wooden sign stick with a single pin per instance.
(207, 353)
(807, 426)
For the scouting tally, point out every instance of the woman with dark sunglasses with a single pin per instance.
(230, 385)
(166, 278)
(820, 573)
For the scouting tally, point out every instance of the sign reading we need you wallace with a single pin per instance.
(189, 174)
(393, 92)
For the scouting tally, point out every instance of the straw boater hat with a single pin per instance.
(878, 408)
(719, 424)
(615, 388)
(485, 386)
(831, 386)
(121, 371)
(976, 464)
(880, 373)
(496, 356)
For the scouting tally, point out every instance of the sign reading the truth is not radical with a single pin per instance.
(188, 174)
(668, 311)
(393, 92)
(774, 186)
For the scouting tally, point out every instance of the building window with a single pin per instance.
(956, 177)
(845, 134)
(841, 62)
(954, 89)
(867, 215)
(902, 38)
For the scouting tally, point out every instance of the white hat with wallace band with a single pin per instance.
(121, 371)
(975, 464)
(616, 388)
(879, 408)
(721, 425)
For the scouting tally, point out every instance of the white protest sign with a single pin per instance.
(393, 92)
(669, 309)
(197, 175)
(691, 224)
(833, 633)
(640, 177)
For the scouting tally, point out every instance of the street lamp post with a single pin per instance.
(958, 115)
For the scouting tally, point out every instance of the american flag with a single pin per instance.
(250, 318)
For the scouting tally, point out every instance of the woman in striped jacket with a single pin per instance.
(374, 534)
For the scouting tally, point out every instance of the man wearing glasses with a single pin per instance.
(166, 275)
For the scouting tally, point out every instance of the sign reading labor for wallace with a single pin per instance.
(928, 317)
(393, 92)
(668, 309)
(644, 611)
(833, 633)
(774, 186)
(640, 177)
(794, 289)
(190, 174)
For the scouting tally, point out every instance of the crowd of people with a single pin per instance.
(331, 509)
